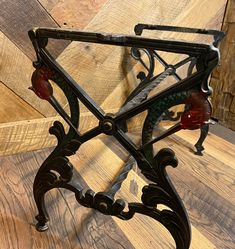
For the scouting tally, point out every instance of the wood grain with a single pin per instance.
(49, 4)
(111, 66)
(73, 13)
(215, 146)
(230, 18)
(26, 135)
(18, 210)
(113, 71)
(223, 78)
(32, 134)
(13, 108)
(211, 181)
(18, 17)
(15, 72)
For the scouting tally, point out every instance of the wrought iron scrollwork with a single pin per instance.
(58, 172)
(153, 56)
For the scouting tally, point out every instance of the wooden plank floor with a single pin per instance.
(206, 185)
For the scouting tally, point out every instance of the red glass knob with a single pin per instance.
(40, 84)
(198, 113)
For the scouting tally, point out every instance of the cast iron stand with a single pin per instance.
(193, 91)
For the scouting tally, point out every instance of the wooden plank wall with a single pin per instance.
(113, 73)
(223, 80)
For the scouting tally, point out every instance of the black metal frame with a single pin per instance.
(154, 55)
(57, 171)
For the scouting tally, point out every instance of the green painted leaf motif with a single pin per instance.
(154, 114)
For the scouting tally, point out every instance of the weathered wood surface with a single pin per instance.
(204, 183)
(15, 72)
(33, 134)
(215, 146)
(14, 108)
(18, 17)
(73, 13)
(211, 182)
(223, 79)
(26, 135)
(113, 72)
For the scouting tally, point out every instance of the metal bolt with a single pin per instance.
(108, 126)
(103, 206)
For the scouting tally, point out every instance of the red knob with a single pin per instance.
(198, 113)
(40, 84)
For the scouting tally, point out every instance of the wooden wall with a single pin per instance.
(21, 110)
(223, 79)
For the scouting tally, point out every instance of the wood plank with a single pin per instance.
(15, 71)
(73, 13)
(48, 4)
(27, 135)
(208, 211)
(14, 62)
(223, 132)
(13, 108)
(27, 14)
(223, 98)
(202, 166)
(80, 59)
(33, 134)
(231, 8)
(215, 146)
(227, 51)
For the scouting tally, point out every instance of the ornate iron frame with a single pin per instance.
(146, 79)
(57, 171)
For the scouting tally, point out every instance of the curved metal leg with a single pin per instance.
(39, 191)
(203, 135)
(42, 216)
(53, 173)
